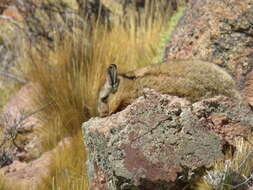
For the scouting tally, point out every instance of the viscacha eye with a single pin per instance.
(104, 99)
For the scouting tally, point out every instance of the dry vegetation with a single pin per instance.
(233, 173)
(67, 169)
(7, 185)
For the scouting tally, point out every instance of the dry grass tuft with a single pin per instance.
(10, 185)
(233, 173)
(68, 171)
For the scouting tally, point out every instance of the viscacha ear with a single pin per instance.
(112, 77)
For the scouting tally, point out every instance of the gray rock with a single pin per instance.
(161, 141)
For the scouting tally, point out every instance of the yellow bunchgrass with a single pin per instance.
(67, 168)
(6, 184)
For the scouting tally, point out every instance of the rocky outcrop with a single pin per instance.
(162, 141)
(15, 120)
(220, 32)
(31, 173)
(25, 162)
(9, 51)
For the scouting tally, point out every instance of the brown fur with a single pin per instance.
(193, 80)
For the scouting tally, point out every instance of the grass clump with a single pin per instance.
(233, 173)
(10, 185)
(68, 172)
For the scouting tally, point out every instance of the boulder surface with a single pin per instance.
(162, 141)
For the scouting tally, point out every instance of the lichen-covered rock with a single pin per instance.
(218, 31)
(161, 141)
(47, 20)
(8, 49)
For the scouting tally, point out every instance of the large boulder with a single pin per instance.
(162, 141)
(218, 31)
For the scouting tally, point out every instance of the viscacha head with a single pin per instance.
(110, 87)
